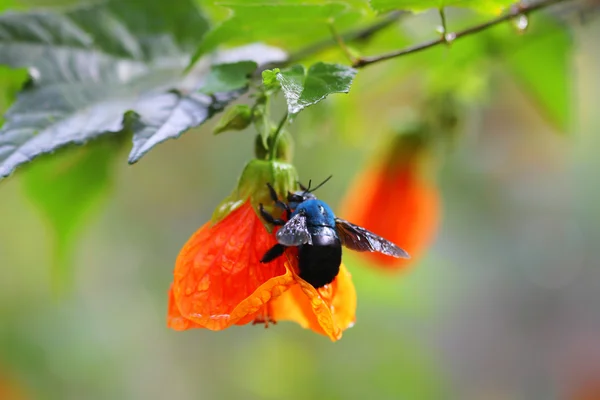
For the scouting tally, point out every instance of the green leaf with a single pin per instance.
(6, 4)
(91, 65)
(541, 64)
(11, 81)
(275, 21)
(486, 6)
(66, 187)
(269, 79)
(237, 118)
(228, 77)
(305, 89)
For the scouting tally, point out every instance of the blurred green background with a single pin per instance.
(504, 306)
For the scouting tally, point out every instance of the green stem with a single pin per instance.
(442, 12)
(276, 135)
(340, 41)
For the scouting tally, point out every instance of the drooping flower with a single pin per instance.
(396, 197)
(219, 280)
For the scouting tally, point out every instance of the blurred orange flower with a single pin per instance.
(9, 390)
(397, 198)
(219, 280)
(588, 391)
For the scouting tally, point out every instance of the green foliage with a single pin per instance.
(228, 77)
(269, 79)
(156, 68)
(11, 81)
(93, 64)
(486, 6)
(466, 69)
(304, 88)
(547, 77)
(66, 187)
(6, 4)
(301, 89)
(286, 24)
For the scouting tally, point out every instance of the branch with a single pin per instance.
(520, 9)
(356, 35)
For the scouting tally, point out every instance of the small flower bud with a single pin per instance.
(236, 118)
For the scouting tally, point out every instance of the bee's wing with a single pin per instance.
(294, 232)
(357, 238)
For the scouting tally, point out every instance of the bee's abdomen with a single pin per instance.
(319, 263)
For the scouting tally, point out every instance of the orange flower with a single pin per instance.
(397, 199)
(587, 391)
(219, 280)
(9, 390)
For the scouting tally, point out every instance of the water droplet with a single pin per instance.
(189, 290)
(449, 37)
(521, 22)
(203, 284)
(34, 73)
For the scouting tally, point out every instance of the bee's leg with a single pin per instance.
(269, 218)
(264, 319)
(273, 253)
(278, 202)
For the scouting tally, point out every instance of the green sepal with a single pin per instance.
(253, 185)
(236, 118)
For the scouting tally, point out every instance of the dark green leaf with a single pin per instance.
(66, 187)
(236, 118)
(305, 89)
(228, 77)
(91, 65)
(487, 6)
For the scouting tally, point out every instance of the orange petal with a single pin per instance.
(328, 310)
(218, 278)
(174, 318)
(399, 205)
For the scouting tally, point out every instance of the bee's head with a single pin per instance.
(294, 199)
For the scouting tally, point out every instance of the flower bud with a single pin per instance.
(236, 118)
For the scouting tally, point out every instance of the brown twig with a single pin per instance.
(450, 37)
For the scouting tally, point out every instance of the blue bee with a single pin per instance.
(312, 227)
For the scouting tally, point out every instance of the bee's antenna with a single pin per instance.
(301, 186)
(307, 190)
(319, 185)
